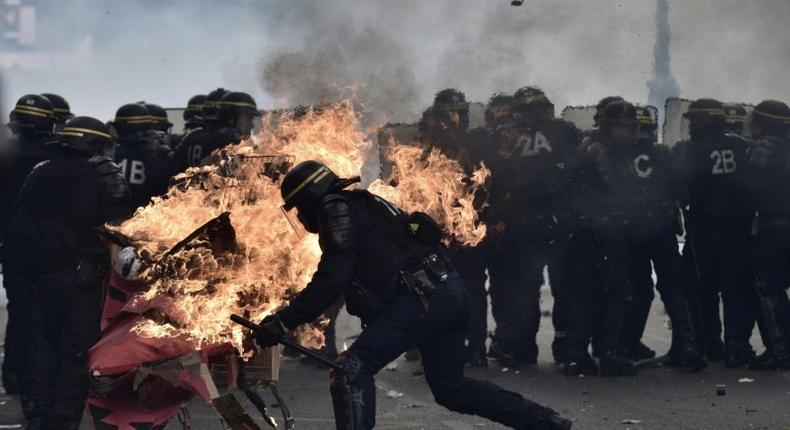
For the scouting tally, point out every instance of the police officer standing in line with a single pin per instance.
(31, 122)
(398, 280)
(641, 272)
(718, 216)
(651, 226)
(768, 173)
(501, 244)
(233, 121)
(61, 108)
(599, 299)
(544, 154)
(160, 124)
(445, 125)
(55, 243)
(193, 114)
(146, 163)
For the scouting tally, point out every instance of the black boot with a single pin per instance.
(777, 354)
(771, 361)
(580, 364)
(547, 419)
(558, 347)
(614, 364)
(737, 354)
(504, 358)
(477, 357)
(639, 352)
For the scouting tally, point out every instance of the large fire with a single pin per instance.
(198, 288)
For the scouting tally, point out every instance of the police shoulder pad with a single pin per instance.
(336, 227)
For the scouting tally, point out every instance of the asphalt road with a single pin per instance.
(655, 399)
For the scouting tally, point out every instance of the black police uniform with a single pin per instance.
(32, 123)
(29, 150)
(62, 202)
(718, 224)
(602, 288)
(146, 163)
(366, 246)
(544, 154)
(652, 226)
(768, 173)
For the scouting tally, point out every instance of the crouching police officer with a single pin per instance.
(391, 269)
(56, 245)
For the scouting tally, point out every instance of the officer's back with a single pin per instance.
(65, 198)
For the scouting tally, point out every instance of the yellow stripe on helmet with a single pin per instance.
(711, 111)
(140, 119)
(33, 108)
(239, 104)
(313, 177)
(25, 111)
(772, 116)
(81, 132)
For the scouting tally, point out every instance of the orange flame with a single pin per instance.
(271, 263)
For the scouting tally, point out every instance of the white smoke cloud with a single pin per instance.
(395, 55)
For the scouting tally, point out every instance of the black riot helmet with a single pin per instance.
(131, 118)
(159, 120)
(648, 124)
(735, 117)
(530, 105)
(706, 118)
(61, 108)
(210, 103)
(237, 109)
(86, 134)
(771, 118)
(601, 105)
(619, 122)
(194, 108)
(450, 111)
(304, 186)
(499, 110)
(32, 112)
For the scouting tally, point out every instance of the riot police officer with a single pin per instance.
(768, 173)
(146, 163)
(718, 218)
(445, 125)
(651, 225)
(61, 108)
(599, 298)
(544, 154)
(501, 217)
(161, 126)
(232, 120)
(641, 272)
(55, 243)
(193, 114)
(31, 122)
(399, 282)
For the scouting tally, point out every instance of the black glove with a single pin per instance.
(270, 331)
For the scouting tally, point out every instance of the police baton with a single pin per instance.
(289, 343)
